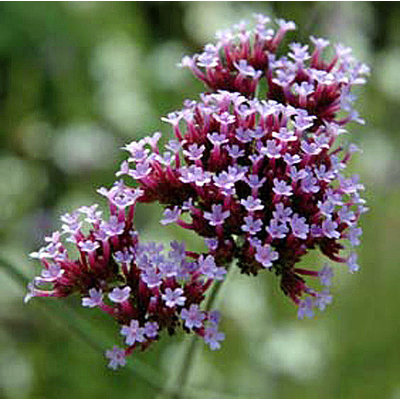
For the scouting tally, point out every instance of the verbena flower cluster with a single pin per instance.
(260, 176)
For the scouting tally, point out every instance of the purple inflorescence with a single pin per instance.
(260, 176)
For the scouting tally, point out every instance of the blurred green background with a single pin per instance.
(79, 80)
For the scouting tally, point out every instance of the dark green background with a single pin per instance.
(78, 81)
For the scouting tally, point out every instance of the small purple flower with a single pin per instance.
(282, 188)
(326, 275)
(235, 152)
(284, 135)
(252, 204)
(50, 274)
(282, 213)
(211, 243)
(217, 216)
(244, 136)
(310, 148)
(212, 337)
(119, 295)
(297, 175)
(88, 246)
(174, 297)
(113, 227)
(116, 357)
(133, 333)
(224, 119)
(193, 317)
(277, 230)
(151, 329)
(273, 149)
(323, 299)
(265, 255)
(208, 267)
(246, 70)
(329, 229)
(353, 235)
(214, 317)
(95, 298)
(352, 263)
(326, 208)
(255, 182)
(299, 227)
(306, 308)
(347, 216)
(194, 152)
(151, 277)
(171, 215)
(310, 184)
(124, 257)
(251, 225)
(291, 159)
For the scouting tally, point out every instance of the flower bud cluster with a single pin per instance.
(261, 178)
(142, 287)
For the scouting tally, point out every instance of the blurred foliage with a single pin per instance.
(79, 80)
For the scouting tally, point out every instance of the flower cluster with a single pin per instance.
(145, 289)
(261, 178)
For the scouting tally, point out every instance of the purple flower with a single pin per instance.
(235, 151)
(133, 333)
(171, 216)
(51, 273)
(255, 182)
(326, 208)
(353, 235)
(299, 227)
(252, 204)
(88, 246)
(95, 298)
(265, 255)
(217, 216)
(247, 70)
(273, 149)
(193, 317)
(276, 230)
(352, 263)
(116, 357)
(310, 148)
(291, 159)
(211, 243)
(309, 184)
(151, 277)
(113, 227)
(326, 275)
(323, 299)
(174, 297)
(212, 337)
(151, 329)
(285, 135)
(251, 225)
(329, 229)
(306, 308)
(194, 152)
(119, 295)
(297, 175)
(244, 136)
(124, 257)
(282, 188)
(208, 267)
(347, 216)
(282, 213)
